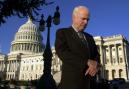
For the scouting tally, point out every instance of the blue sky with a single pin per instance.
(108, 17)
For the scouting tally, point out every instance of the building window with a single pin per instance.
(119, 48)
(113, 74)
(114, 60)
(8, 76)
(113, 49)
(36, 76)
(106, 50)
(107, 60)
(121, 60)
(120, 73)
(107, 74)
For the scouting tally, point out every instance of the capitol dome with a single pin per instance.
(28, 40)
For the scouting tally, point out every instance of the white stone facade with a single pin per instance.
(31, 67)
(25, 60)
(114, 51)
(3, 59)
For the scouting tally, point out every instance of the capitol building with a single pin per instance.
(25, 60)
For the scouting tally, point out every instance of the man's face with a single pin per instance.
(80, 19)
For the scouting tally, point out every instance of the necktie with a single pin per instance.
(84, 41)
(82, 37)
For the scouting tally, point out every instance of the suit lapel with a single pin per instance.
(77, 39)
(75, 35)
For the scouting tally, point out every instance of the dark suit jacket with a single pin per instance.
(74, 55)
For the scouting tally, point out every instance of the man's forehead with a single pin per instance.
(83, 14)
(83, 10)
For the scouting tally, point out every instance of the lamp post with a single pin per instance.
(46, 81)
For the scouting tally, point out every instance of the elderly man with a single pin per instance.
(78, 52)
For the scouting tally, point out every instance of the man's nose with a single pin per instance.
(85, 21)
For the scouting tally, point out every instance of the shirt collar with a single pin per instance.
(75, 28)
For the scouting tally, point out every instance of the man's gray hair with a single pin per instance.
(76, 9)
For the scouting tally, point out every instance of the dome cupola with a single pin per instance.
(27, 40)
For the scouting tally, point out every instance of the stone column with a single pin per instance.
(117, 73)
(38, 48)
(11, 66)
(8, 66)
(116, 53)
(123, 55)
(110, 56)
(110, 74)
(20, 46)
(33, 47)
(102, 59)
(23, 46)
(29, 47)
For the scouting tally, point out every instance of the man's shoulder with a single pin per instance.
(64, 29)
(87, 34)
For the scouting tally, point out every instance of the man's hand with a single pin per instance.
(92, 67)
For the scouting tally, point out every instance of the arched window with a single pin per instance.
(113, 74)
(36, 76)
(120, 73)
(107, 74)
(121, 60)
